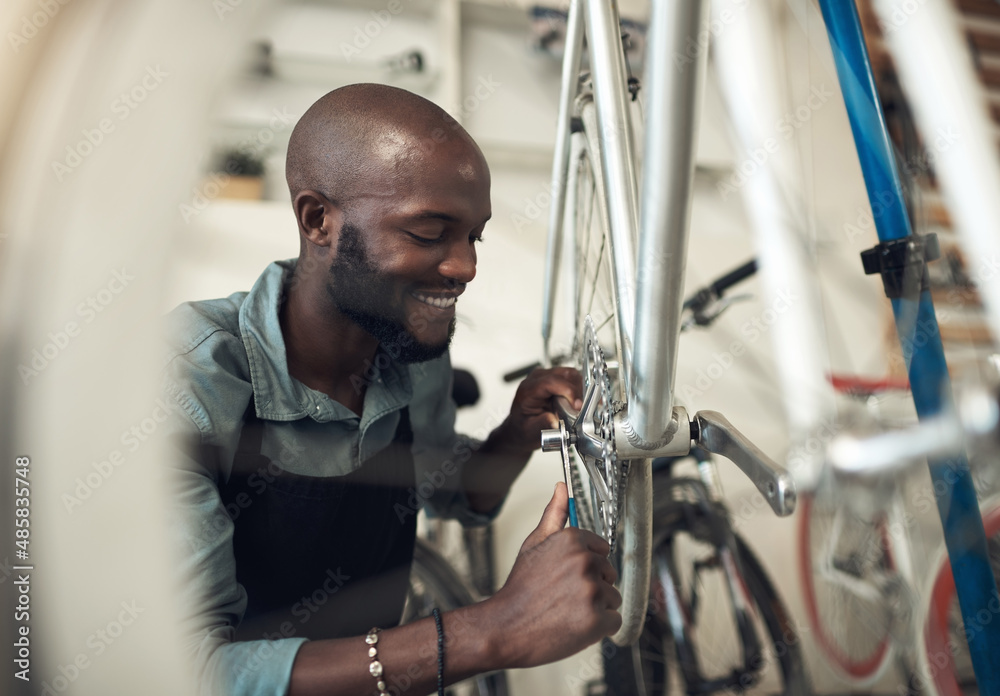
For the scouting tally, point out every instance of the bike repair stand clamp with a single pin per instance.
(902, 263)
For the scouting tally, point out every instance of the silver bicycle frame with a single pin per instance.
(607, 64)
(648, 324)
(666, 211)
(560, 173)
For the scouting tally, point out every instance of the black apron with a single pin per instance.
(320, 557)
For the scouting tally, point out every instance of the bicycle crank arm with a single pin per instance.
(713, 432)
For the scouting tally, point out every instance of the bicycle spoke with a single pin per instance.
(604, 323)
(585, 247)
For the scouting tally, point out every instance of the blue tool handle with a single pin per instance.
(573, 521)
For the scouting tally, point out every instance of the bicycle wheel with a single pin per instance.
(846, 566)
(945, 649)
(613, 497)
(433, 583)
(691, 542)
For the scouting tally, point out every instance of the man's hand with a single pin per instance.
(531, 412)
(488, 477)
(560, 596)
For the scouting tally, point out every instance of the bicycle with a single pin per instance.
(620, 427)
(626, 274)
(857, 568)
(944, 650)
(754, 640)
(872, 596)
(710, 582)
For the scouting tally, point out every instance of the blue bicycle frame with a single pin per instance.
(918, 332)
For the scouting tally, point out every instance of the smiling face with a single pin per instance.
(406, 251)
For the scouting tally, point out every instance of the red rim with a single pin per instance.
(856, 669)
(854, 384)
(936, 633)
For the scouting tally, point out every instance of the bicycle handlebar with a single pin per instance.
(717, 287)
(521, 372)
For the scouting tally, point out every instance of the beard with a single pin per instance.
(362, 292)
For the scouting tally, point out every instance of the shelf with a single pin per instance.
(329, 70)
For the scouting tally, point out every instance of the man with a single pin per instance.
(318, 414)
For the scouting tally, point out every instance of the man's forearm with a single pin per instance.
(408, 655)
(491, 470)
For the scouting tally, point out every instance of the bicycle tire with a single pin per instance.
(434, 583)
(644, 668)
(854, 633)
(946, 664)
(588, 271)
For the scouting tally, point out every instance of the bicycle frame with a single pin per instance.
(648, 311)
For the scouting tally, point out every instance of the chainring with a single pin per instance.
(603, 516)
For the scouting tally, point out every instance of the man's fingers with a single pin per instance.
(609, 598)
(553, 517)
(545, 384)
(608, 573)
(595, 543)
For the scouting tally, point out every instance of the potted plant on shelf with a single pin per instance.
(240, 174)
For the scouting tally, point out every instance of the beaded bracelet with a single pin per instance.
(375, 668)
(440, 632)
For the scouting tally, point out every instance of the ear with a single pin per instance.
(319, 218)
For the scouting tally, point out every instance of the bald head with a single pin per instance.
(368, 138)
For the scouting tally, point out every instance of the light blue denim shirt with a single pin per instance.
(218, 352)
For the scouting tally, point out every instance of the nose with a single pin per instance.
(459, 263)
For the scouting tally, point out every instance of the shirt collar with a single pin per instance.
(281, 397)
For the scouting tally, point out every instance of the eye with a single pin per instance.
(423, 239)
